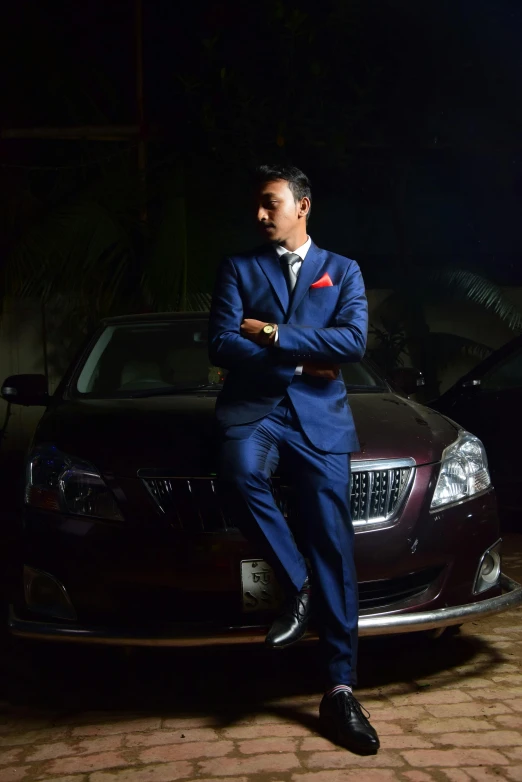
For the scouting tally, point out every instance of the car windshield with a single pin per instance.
(163, 357)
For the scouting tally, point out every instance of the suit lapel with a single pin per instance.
(307, 275)
(271, 266)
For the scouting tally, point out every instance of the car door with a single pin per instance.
(489, 404)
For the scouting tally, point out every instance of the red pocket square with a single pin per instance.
(323, 282)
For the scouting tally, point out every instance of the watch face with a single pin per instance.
(268, 329)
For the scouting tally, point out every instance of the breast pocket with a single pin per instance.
(323, 300)
(326, 292)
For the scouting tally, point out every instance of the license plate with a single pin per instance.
(259, 587)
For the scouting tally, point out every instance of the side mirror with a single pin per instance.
(406, 379)
(28, 390)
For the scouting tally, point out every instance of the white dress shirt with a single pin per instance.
(301, 252)
(296, 267)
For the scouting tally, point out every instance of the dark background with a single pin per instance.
(116, 197)
(406, 115)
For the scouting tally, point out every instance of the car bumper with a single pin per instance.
(179, 636)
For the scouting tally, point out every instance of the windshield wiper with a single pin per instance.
(175, 390)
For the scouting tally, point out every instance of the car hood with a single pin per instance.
(179, 433)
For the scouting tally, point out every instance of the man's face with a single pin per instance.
(279, 216)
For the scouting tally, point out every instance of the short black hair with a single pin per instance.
(298, 182)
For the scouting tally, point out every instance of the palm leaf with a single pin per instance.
(463, 285)
(198, 302)
(76, 248)
(442, 286)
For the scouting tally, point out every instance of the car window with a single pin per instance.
(137, 357)
(506, 374)
(361, 375)
(142, 356)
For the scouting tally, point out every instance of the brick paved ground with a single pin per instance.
(447, 711)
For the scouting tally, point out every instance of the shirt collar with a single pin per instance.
(301, 251)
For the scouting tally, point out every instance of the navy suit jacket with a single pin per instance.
(315, 324)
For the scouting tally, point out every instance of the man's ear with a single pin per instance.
(304, 207)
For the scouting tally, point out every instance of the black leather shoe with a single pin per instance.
(291, 625)
(344, 723)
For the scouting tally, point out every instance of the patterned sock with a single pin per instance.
(338, 688)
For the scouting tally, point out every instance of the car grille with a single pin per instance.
(377, 494)
(195, 504)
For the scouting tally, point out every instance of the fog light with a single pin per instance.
(488, 573)
(44, 594)
(487, 565)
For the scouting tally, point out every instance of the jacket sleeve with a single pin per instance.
(227, 348)
(343, 342)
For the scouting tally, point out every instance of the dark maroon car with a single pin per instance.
(488, 401)
(127, 538)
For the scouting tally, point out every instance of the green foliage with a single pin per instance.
(83, 248)
(389, 348)
(79, 249)
(462, 285)
(89, 256)
(405, 330)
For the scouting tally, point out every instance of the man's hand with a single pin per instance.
(322, 369)
(252, 330)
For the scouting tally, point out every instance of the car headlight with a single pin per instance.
(463, 471)
(59, 482)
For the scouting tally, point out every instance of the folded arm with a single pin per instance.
(228, 348)
(341, 343)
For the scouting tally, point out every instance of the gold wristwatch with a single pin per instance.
(269, 332)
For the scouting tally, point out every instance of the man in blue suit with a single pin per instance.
(283, 319)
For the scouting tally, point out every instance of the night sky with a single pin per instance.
(400, 111)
